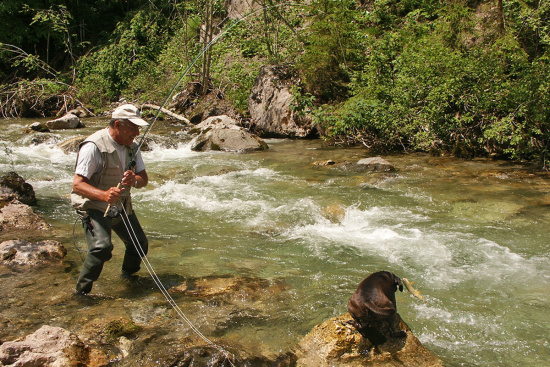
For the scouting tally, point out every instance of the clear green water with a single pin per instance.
(473, 235)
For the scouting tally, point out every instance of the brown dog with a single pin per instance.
(373, 308)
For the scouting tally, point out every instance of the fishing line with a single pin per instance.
(161, 286)
(204, 49)
(78, 249)
(124, 215)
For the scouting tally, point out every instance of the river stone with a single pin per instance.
(25, 253)
(71, 145)
(48, 346)
(79, 112)
(270, 104)
(328, 162)
(69, 121)
(12, 183)
(375, 164)
(336, 343)
(17, 216)
(38, 127)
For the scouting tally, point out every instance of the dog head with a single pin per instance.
(397, 282)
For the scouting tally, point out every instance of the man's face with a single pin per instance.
(125, 132)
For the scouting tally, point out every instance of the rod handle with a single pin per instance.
(109, 206)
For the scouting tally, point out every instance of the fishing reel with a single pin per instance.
(113, 211)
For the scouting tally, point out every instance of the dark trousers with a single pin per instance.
(98, 228)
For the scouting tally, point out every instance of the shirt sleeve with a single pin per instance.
(140, 165)
(89, 161)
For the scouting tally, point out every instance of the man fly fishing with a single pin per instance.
(101, 191)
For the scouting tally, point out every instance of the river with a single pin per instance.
(471, 234)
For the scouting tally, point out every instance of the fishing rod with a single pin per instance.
(127, 223)
(155, 116)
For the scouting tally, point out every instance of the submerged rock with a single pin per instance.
(71, 145)
(37, 127)
(237, 289)
(375, 164)
(336, 343)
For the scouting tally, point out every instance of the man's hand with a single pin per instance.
(129, 178)
(112, 195)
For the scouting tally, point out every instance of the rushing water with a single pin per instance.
(473, 235)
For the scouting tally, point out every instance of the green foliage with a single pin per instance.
(328, 53)
(105, 74)
(451, 85)
(301, 102)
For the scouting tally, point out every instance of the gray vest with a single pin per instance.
(109, 176)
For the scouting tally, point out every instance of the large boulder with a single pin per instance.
(218, 122)
(12, 183)
(336, 343)
(25, 253)
(48, 347)
(270, 104)
(69, 121)
(229, 140)
(222, 133)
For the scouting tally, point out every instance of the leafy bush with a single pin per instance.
(104, 75)
(444, 87)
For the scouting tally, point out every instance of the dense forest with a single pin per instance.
(470, 78)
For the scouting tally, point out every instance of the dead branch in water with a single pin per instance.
(167, 112)
(39, 98)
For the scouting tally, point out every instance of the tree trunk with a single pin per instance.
(500, 16)
(207, 55)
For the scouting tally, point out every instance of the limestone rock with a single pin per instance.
(270, 102)
(26, 253)
(223, 133)
(229, 140)
(12, 183)
(48, 346)
(336, 343)
(69, 121)
(18, 216)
